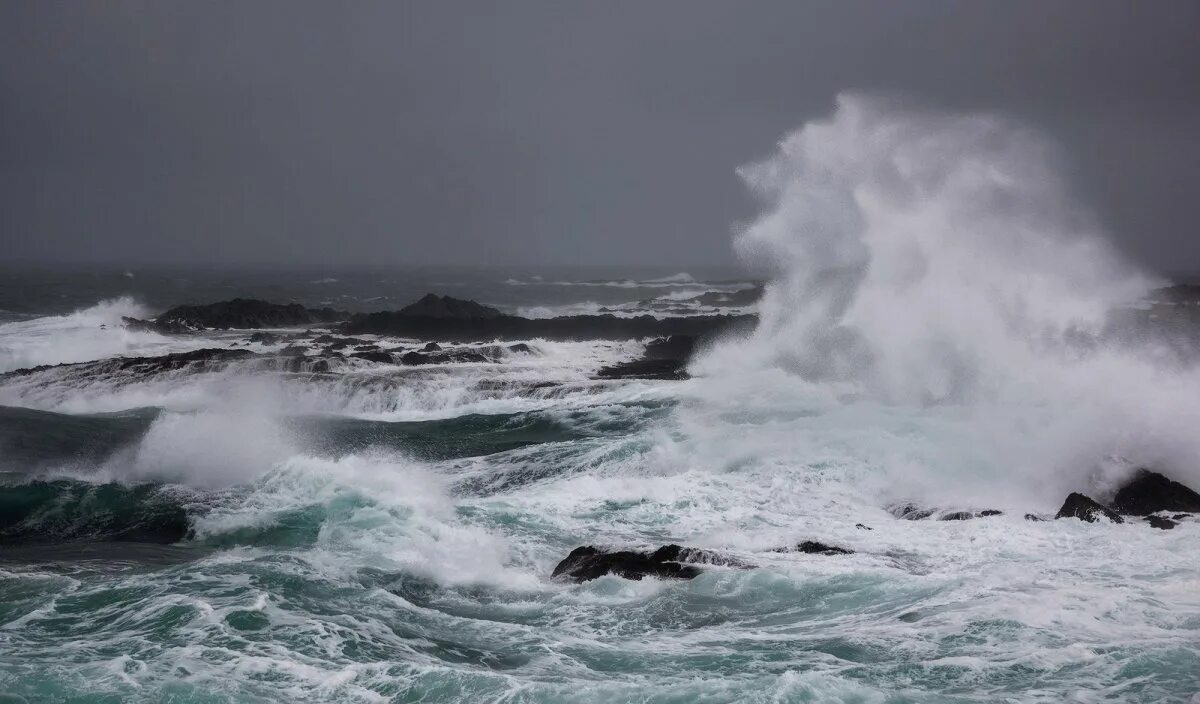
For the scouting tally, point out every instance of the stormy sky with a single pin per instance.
(400, 133)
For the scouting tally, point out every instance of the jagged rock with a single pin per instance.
(415, 358)
(245, 313)
(666, 369)
(1034, 517)
(370, 356)
(1084, 508)
(1160, 522)
(861, 526)
(449, 319)
(587, 563)
(1148, 492)
(812, 547)
(265, 338)
(432, 347)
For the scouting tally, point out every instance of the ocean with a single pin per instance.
(378, 532)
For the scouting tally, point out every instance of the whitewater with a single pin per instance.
(935, 329)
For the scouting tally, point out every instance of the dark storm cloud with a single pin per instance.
(395, 133)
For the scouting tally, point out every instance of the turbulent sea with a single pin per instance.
(378, 533)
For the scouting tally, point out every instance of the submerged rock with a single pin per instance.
(1149, 492)
(1086, 509)
(914, 512)
(1160, 522)
(587, 563)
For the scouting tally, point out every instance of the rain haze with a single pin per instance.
(302, 133)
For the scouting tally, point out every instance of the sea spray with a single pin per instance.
(939, 260)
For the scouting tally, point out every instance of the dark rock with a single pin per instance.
(247, 313)
(1148, 492)
(668, 369)
(161, 327)
(293, 350)
(380, 357)
(956, 516)
(588, 563)
(366, 348)
(1033, 517)
(1181, 516)
(989, 512)
(1084, 508)
(520, 347)
(265, 338)
(434, 306)
(1160, 522)
(415, 358)
(812, 547)
(432, 347)
(448, 319)
(677, 553)
(673, 347)
(860, 526)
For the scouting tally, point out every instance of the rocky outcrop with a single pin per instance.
(449, 319)
(664, 358)
(587, 563)
(446, 308)
(1086, 509)
(1149, 492)
(244, 313)
(812, 547)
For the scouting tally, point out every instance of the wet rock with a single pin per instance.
(366, 348)
(293, 350)
(247, 313)
(587, 563)
(812, 547)
(861, 526)
(265, 338)
(448, 319)
(432, 347)
(911, 512)
(1085, 509)
(665, 369)
(1149, 492)
(914, 512)
(371, 356)
(679, 347)
(520, 347)
(1034, 517)
(415, 358)
(1160, 522)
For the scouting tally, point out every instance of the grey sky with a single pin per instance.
(538, 132)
